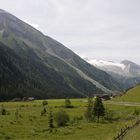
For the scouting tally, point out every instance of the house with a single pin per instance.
(104, 97)
(30, 99)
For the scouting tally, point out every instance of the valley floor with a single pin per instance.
(31, 125)
(133, 134)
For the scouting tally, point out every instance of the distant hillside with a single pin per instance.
(125, 68)
(127, 73)
(33, 64)
(132, 95)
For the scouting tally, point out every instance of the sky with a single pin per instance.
(101, 29)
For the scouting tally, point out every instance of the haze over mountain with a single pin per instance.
(33, 64)
(126, 71)
(125, 68)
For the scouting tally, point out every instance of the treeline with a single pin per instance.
(21, 77)
(23, 74)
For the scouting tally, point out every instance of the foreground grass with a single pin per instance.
(134, 134)
(33, 126)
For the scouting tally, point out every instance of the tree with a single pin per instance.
(44, 111)
(61, 118)
(17, 115)
(3, 110)
(89, 111)
(45, 102)
(68, 103)
(51, 119)
(98, 108)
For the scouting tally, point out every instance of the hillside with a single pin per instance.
(126, 72)
(24, 76)
(125, 68)
(132, 95)
(46, 68)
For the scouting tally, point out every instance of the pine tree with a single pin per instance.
(51, 120)
(98, 108)
(68, 103)
(89, 111)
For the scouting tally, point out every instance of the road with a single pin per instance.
(123, 103)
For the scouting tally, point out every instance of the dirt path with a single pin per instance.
(123, 103)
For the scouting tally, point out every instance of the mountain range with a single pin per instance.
(33, 64)
(125, 72)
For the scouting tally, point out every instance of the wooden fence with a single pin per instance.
(125, 130)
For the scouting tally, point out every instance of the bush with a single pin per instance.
(45, 102)
(4, 111)
(44, 112)
(17, 114)
(76, 120)
(89, 115)
(98, 109)
(109, 115)
(136, 111)
(68, 103)
(51, 120)
(61, 118)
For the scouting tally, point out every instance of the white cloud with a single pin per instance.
(93, 28)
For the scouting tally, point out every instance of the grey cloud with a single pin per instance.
(103, 29)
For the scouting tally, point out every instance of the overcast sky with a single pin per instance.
(101, 29)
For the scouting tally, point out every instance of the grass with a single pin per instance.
(133, 95)
(33, 126)
(133, 134)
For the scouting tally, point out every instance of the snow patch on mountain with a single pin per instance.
(124, 68)
(102, 63)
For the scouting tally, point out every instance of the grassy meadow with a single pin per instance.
(133, 134)
(31, 125)
(132, 95)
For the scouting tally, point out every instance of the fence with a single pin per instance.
(125, 130)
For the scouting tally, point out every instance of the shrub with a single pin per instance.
(45, 102)
(136, 111)
(17, 114)
(98, 109)
(68, 103)
(109, 115)
(4, 111)
(44, 112)
(76, 120)
(89, 115)
(51, 119)
(61, 118)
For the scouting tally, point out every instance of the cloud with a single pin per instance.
(93, 28)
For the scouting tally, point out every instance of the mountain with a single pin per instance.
(131, 69)
(108, 66)
(33, 64)
(125, 72)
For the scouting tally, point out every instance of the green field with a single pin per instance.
(133, 134)
(132, 95)
(31, 125)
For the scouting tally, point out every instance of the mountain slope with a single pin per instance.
(20, 77)
(131, 68)
(132, 95)
(127, 73)
(58, 71)
(125, 68)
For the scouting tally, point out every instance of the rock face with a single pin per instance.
(35, 65)
(126, 72)
(131, 69)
